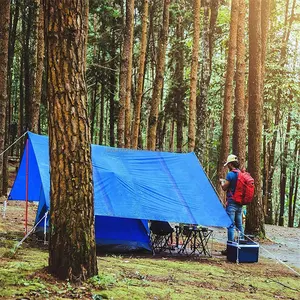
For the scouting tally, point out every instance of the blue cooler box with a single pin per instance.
(242, 252)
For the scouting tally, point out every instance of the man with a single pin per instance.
(233, 209)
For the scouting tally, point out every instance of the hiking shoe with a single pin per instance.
(224, 252)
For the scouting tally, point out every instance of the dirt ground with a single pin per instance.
(282, 243)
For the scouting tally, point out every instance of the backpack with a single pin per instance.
(244, 190)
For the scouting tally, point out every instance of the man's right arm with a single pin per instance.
(225, 185)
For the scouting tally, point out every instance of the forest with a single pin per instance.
(212, 76)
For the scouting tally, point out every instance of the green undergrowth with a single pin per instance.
(24, 275)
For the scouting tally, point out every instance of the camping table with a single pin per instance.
(194, 238)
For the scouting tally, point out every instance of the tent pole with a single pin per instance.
(26, 188)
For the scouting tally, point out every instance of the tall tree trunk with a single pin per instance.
(204, 84)
(272, 147)
(102, 105)
(265, 21)
(125, 77)
(40, 66)
(140, 84)
(214, 9)
(4, 41)
(158, 82)
(14, 18)
(171, 141)
(179, 81)
(35, 23)
(293, 178)
(72, 236)
(239, 123)
(129, 80)
(113, 84)
(11, 54)
(255, 217)
(227, 110)
(193, 78)
(283, 175)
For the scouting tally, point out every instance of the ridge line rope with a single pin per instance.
(13, 143)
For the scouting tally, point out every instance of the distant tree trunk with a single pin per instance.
(72, 245)
(21, 125)
(11, 53)
(171, 141)
(40, 66)
(26, 25)
(265, 21)
(162, 134)
(179, 81)
(227, 110)
(129, 79)
(293, 178)
(112, 93)
(34, 24)
(283, 175)
(239, 123)
(214, 7)
(282, 62)
(125, 74)
(93, 106)
(193, 77)
(140, 84)
(102, 104)
(4, 41)
(158, 82)
(204, 84)
(255, 217)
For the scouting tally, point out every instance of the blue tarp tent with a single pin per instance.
(132, 184)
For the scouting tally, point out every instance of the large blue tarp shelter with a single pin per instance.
(130, 186)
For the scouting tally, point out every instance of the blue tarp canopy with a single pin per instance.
(133, 184)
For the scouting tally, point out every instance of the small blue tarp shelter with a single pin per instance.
(130, 187)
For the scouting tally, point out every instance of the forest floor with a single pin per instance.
(23, 274)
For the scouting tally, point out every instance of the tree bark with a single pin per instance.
(265, 21)
(193, 78)
(102, 105)
(179, 84)
(239, 122)
(204, 85)
(214, 9)
(35, 31)
(272, 147)
(4, 41)
(171, 141)
(227, 110)
(113, 86)
(129, 80)
(283, 175)
(72, 237)
(293, 178)
(158, 82)
(125, 77)
(255, 217)
(39, 66)
(140, 84)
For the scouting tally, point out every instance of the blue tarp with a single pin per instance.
(135, 184)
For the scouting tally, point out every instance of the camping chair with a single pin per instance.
(161, 236)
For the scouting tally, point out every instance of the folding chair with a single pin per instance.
(161, 236)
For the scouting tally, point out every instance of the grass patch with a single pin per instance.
(24, 275)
